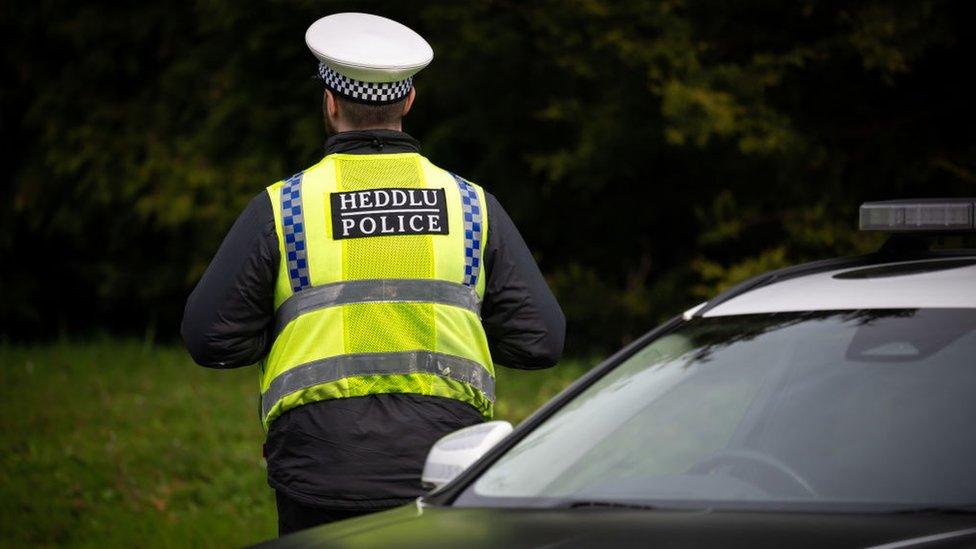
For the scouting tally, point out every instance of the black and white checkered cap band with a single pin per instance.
(366, 92)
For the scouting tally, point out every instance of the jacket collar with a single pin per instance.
(371, 142)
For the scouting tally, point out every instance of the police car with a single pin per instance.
(827, 404)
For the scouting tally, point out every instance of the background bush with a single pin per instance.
(652, 152)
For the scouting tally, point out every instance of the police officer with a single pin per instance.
(377, 290)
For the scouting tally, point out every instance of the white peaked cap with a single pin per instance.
(356, 49)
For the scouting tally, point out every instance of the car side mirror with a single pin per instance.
(453, 453)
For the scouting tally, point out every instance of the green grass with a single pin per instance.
(114, 443)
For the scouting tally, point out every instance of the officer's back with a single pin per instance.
(377, 290)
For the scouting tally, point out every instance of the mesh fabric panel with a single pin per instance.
(372, 172)
(386, 327)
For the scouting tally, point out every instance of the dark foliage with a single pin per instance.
(652, 152)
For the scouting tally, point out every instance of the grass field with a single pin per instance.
(116, 443)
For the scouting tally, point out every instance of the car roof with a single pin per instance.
(936, 282)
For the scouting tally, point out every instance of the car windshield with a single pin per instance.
(789, 410)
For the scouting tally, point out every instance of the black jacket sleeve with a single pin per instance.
(525, 326)
(229, 315)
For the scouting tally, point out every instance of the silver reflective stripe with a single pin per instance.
(373, 291)
(365, 364)
(927, 540)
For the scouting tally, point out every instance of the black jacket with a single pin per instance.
(364, 452)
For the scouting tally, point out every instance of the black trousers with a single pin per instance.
(294, 516)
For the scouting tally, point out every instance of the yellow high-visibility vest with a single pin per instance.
(380, 284)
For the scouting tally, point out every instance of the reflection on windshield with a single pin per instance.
(858, 406)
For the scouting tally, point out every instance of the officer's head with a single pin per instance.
(343, 114)
(367, 64)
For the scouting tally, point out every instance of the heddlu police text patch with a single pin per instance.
(386, 212)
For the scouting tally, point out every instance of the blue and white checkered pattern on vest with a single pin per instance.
(293, 227)
(471, 208)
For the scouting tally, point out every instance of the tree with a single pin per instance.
(652, 152)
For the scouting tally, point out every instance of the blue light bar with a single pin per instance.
(922, 215)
